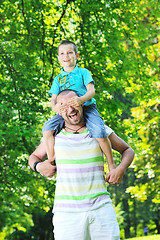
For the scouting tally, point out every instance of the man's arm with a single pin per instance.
(127, 154)
(45, 168)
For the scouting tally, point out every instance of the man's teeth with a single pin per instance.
(73, 115)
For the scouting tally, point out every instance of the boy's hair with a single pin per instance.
(69, 42)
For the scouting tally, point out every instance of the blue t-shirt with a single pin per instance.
(76, 80)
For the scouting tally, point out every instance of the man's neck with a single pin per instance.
(75, 128)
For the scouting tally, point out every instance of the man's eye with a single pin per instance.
(61, 53)
(70, 52)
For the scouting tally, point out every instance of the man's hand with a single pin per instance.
(115, 175)
(75, 102)
(46, 168)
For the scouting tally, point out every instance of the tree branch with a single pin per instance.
(53, 39)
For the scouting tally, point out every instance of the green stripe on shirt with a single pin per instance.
(80, 161)
(89, 196)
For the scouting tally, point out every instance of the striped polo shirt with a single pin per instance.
(80, 182)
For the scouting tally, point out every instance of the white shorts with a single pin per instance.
(99, 224)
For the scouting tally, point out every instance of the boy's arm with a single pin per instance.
(53, 103)
(57, 107)
(89, 94)
(77, 101)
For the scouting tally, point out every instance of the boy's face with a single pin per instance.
(67, 56)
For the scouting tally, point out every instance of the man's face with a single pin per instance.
(72, 115)
(67, 56)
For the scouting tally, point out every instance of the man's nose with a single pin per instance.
(70, 108)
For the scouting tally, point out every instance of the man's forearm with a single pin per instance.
(127, 154)
(127, 158)
(32, 159)
(115, 175)
(45, 168)
(38, 155)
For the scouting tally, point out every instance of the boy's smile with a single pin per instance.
(67, 57)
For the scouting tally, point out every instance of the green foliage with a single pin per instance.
(119, 43)
(153, 237)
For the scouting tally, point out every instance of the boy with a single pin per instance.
(79, 80)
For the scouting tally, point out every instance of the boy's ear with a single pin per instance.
(77, 55)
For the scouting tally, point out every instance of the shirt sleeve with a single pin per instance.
(87, 77)
(108, 130)
(55, 89)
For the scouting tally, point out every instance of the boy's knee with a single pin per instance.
(97, 132)
(45, 126)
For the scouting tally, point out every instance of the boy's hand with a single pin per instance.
(115, 176)
(112, 166)
(62, 108)
(75, 102)
(52, 160)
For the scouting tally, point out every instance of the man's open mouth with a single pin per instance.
(73, 115)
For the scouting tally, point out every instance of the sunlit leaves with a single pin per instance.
(118, 42)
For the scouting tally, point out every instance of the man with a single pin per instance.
(82, 207)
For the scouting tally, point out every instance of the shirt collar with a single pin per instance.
(63, 73)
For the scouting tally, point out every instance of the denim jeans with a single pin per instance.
(94, 122)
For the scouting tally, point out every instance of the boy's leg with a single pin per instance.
(52, 127)
(95, 125)
(49, 140)
(107, 150)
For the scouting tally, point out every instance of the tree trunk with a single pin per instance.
(157, 225)
(127, 218)
(126, 207)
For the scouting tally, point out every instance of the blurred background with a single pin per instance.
(119, 42)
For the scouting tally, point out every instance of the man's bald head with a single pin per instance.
(66, 92)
